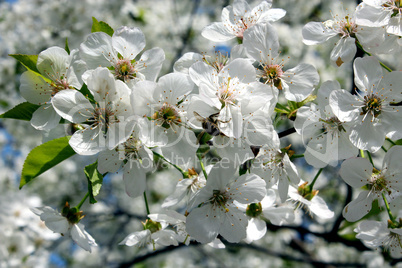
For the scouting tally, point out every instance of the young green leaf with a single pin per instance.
(101, 26)
(66, 47)
(29, 61)
(44, 157)
(22, 111)
(95, 180)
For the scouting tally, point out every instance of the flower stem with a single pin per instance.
(203, 168)
(391, 141)
(167, 161)
(362, 153)
(146, 203)
(391, 217)
(82, 201)
(369, 157)
(315, 178)
(383, 148)
(369, 54)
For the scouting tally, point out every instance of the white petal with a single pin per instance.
(344, 105)
(150, 63)
(202, 72)
(261, 42)
(256, 229)
(302, 81)
(88, 141)
(217, 32)
(138, 238)
(34, 88)
(173, 87)
(359, 207)
(45, 118)
(181, 146)
(356, 171)
(320, 208)
(183, 64)
(315, 33)
(97, 50)
(108, 161)
(367, 15)
(368, 72)
(344, 51)
(72, 106)
(53, 63)
(366, 135)
(279, 215)
(240, 68)
(234, 225)
(128, 41)
(134, 179)
(248, 188)
(81, 237)
(203, 223)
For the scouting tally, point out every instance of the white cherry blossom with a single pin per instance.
(120, 52)
(106, 123)
(370, 113)
(58, 71)
(216, 212)
(238, 18)
(358, 172)
(60, 224)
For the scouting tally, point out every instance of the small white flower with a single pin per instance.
(217, 213)
(377, 13)
(273, 165)
(60, 224)
(107, 123)
(60, 71)
(238, 18)
(358, 172)
(376, 234)
(370, 113)
(311, 201)
(261, 43)
(119, 52)
(326, 137)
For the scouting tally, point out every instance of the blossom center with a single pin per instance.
(378, 182)
(372, 105)
(124, 70)
(131, 148)
(167, 116)
(271, 75)
(219, 199)
(219, 62)
(254, 210)
(332, 125)
(103, 117)
(227, 94)
(59, 85)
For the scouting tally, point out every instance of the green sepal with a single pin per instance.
(95, 180)
(44, 157)
(101, 26)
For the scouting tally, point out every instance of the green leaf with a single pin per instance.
(309, 98)
(29, 61)
(95, 180)
(85, 91)
(66, 47)
(101, 26)
(22, 111)
(44, 157)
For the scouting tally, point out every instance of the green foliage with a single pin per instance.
(101, 26)
(44, 157)
(95, 180)
(29, 61)
(22, 111)
(66, 47)
(85, 91)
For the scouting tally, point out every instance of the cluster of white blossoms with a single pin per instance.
(212, 119)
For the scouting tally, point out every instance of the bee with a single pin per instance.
(209, 125)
